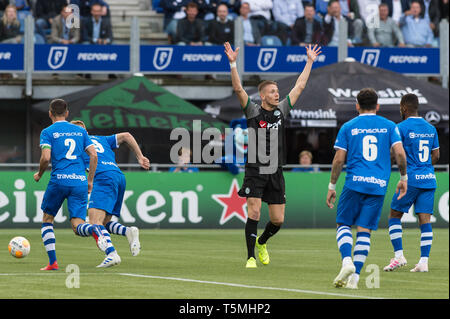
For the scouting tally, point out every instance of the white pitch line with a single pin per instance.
(253, 287)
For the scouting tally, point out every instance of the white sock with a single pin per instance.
(398, 254)
(423, 260)
(346, 261)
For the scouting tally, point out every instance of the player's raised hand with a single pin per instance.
(144, 162)
(313, 52)
(331, 198)
(232, 55)
(402, 187)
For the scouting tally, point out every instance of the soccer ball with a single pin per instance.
(19, 247)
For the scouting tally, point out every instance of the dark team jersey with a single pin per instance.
(269, 123)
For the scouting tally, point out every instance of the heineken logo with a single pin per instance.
(233, 205)
(139, 103)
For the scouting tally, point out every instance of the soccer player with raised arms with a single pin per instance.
(365, 142)
(420, 140)
(63, 144)
(108, 191)
(264, 182)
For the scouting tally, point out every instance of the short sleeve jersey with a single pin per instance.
(368, 139)
(104, 145)
(261, 121)
(68, 143)
(419, 139)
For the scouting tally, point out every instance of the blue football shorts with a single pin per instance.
(77, 199)
(355, 208)
(421, 198)
(108, 191)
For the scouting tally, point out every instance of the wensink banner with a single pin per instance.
(200, 200)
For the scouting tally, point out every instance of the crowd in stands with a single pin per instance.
(388, 23)
(54, 20)
(410, 23)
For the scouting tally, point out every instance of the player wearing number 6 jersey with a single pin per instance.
(366, 142)
(420, 140)
(64, 144)
(109, 189)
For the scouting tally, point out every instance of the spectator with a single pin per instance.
(61, 33)
(221, 30)
(387, 33)
(307, 29)
(331, 26)
(252, 34)
(45, 12)
(10, 26)
(430, 11)
(396, 8)
(174, 10)
(287, 11)
(260, 9)
(21, 5)
(443, 8)
(184, 158)
(305, 159)
(367, 10)
(207, 9)
(190, 30)
(97, 29)
(416, 29)
(85, 7)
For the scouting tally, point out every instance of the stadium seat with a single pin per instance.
(156, 7)
(271, 40)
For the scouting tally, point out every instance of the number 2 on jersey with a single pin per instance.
(71, 143)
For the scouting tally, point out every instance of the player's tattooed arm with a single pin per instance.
(400, 158)
(133, 145)
(43, 163)
(92, 166)
(336, 169)
(235, 80)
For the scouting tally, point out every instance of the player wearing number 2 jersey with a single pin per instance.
(421, 144)
(109, 189)
(63, 144)
(366, 142)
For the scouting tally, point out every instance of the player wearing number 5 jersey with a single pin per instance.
(109, 189)
(63, 144)
(366, 142)
(420, 140)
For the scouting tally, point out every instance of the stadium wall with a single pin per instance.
(200, 200)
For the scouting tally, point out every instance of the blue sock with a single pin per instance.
(426, 238)
(109, 248)
(48, 237)
(395, 234)
(344, 240)
(362, 248)
(84, 230)
(116, 228)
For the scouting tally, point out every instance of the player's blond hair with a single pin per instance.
(79, 123)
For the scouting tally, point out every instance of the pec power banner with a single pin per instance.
(80, 57)
(201, 200)
(11, 57)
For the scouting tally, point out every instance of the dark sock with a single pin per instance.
(269, 231)
(251, 230)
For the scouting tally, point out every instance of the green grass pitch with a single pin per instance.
(191, 264)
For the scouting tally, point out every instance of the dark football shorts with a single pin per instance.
(269, 187)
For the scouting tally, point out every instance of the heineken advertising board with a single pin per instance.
(199, 200)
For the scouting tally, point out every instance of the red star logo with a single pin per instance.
(233, 204)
